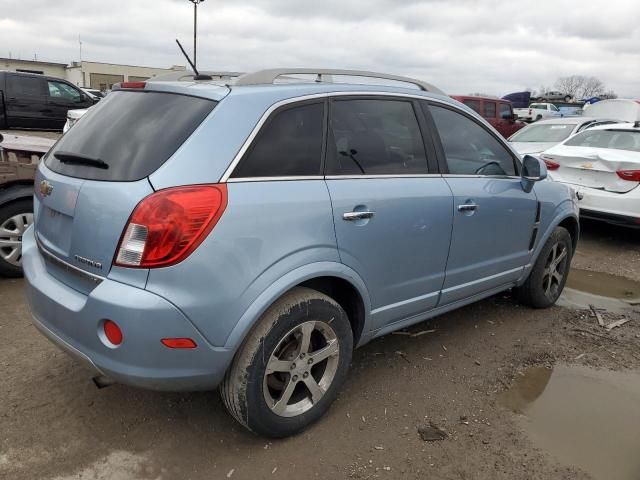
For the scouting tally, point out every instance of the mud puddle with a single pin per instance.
(584, 417)
(602, 290)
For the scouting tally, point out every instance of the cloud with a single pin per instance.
(492, 46)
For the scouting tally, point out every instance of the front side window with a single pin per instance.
(554, 108)
(468, 147)
(289, 145)
(63, 91)
(375, 137)
(489, 110)
(505, 110)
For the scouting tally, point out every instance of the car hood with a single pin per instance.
(527, 148)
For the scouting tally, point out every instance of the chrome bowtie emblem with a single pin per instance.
(45, 188)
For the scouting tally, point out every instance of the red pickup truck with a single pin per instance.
(496, 111)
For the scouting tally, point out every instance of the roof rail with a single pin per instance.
(269, 76)
(188, 76)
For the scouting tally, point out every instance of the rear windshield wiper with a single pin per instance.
(78, 159)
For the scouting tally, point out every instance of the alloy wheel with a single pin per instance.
(11, 232)
(554, 271)
(301, 368)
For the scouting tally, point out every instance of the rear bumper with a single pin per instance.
(619, 208)
(72, 320)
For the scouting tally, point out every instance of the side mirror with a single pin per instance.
(533, 170)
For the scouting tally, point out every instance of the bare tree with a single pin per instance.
(580, 86)
(592, 87)
(571, 85)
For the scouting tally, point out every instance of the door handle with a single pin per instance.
(467, 207)
(352, 216)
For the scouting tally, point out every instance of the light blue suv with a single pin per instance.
(190, 235)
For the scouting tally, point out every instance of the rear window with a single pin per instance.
(544, 133)
(614, 139)
(129, 134)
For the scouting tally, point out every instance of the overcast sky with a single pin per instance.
(462, 46)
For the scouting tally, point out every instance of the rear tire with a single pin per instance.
(539, 117)
(299, 352)
(549, 274)
(15, 218)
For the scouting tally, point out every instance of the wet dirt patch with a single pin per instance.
(611, 293)
(604, 285)
(584, 417)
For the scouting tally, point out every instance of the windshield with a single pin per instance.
(614, 139)
(129, 134)
(549, 132)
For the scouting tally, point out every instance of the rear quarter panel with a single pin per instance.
(261, 237)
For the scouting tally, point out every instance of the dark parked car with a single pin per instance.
(36, 101)
(498, 112)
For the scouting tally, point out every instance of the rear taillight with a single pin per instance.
(631, 175)
(551, 165)
(133, 85)
(167, 226)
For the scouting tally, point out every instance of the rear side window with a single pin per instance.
(25, 85)
(130, 134)
(489, 110)
(469, 148)
(375, 137)
(473, 105)
(289, 145)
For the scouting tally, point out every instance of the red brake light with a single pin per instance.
(551, 165)
(137, 85)
(167, 226)
(631, 175)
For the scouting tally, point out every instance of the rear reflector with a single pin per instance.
(138, 85)
(112, 332)
(631, 175)
(167, 226)
(178, 343)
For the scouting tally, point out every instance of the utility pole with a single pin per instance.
(195, 30)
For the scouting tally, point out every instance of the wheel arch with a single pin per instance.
(15, 191)
(336, 280)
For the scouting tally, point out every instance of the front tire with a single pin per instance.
(15, 218)
(549, 274)
(291, 366)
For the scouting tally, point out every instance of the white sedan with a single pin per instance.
(603, 165)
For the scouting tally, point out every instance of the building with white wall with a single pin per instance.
(96, 75)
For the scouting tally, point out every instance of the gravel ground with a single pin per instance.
(55, 424)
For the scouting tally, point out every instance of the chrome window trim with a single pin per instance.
(273, 179)
(226, 176)
(364, 177)
(97, 279)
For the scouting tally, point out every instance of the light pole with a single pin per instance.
(195, 29)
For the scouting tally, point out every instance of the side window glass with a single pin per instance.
(505, 110)
(64, 91)
(375, 137)
(554, 108)
(468, 147)
(30, 86)
(489, 110)
(289, 144)
(473, 105)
